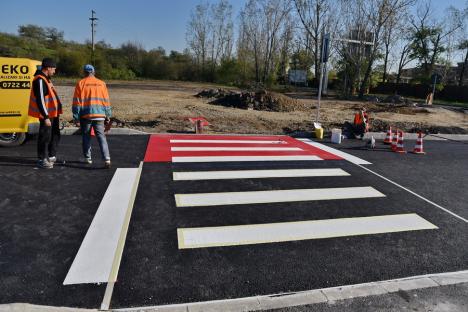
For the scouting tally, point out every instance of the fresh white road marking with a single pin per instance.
(277, 196)
(302, 230)
(256, 174)
(202, 148)
(94, 262)
(417, 195)
(348, 157)
(229, 141)
(243, 158)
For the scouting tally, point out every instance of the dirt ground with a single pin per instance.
(164, 106)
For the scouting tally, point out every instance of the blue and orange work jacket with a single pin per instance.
(51, 106)
(91, 99)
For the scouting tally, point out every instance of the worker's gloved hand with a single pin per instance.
(47, 122)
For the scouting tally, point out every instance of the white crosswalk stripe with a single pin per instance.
(277, 196)
(256, 174)
(229, 141)
(189, 159)
(204, 148)
(302, 230)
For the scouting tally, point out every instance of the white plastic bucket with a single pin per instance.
(336, 136)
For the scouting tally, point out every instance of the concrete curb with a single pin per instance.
(324, 295)
(113, 131)
(277, 301)
(283, 300)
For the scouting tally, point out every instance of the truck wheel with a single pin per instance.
(12, 139)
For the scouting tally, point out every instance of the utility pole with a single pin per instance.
(93, 32)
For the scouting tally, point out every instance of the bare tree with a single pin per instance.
(315, 16)
(198, 33)
(379, 12)
(405, 58)
(463, 44)
(430, 35)
(221, 32)
(261, 24)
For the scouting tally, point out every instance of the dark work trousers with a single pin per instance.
(48, 138)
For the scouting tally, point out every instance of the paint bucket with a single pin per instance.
(319, 133)
(336, 136)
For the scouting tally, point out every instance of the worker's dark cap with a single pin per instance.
(48, 62)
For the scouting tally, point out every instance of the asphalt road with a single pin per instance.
(47, 214)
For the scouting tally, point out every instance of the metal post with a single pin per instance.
(93, 24)
(319, 93)
(323, 60)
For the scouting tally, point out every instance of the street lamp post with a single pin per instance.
(324, 59)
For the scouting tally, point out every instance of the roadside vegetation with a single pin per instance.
(384, 47)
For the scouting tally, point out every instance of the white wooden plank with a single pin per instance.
(94, 260)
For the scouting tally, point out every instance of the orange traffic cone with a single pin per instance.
(92, 131)
(395, 141)
(418, 148)
(388, 138)
(400, 148)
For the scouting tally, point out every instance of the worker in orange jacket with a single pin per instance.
(91, 109)
(45, 104)
(361, 122)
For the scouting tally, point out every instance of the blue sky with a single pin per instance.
(151, 23)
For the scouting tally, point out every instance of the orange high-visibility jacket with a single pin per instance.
(361, 118)
(50, 100)
(91, 99)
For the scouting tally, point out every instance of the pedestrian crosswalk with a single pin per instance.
(213, 149)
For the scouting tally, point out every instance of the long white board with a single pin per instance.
(94, 260)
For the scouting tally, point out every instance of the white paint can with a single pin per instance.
(336, 136)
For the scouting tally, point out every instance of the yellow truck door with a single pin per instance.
(16, 75)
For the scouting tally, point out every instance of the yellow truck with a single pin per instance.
(16, 75)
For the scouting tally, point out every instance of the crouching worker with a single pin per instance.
(359, 127)
(91, 110)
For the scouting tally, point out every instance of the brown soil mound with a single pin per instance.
(257, 100)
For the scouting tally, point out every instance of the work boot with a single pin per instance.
(86, 160)
(45, 164)
(107, 164)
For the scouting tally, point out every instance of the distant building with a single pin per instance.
(297, 76)
(450, 75)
